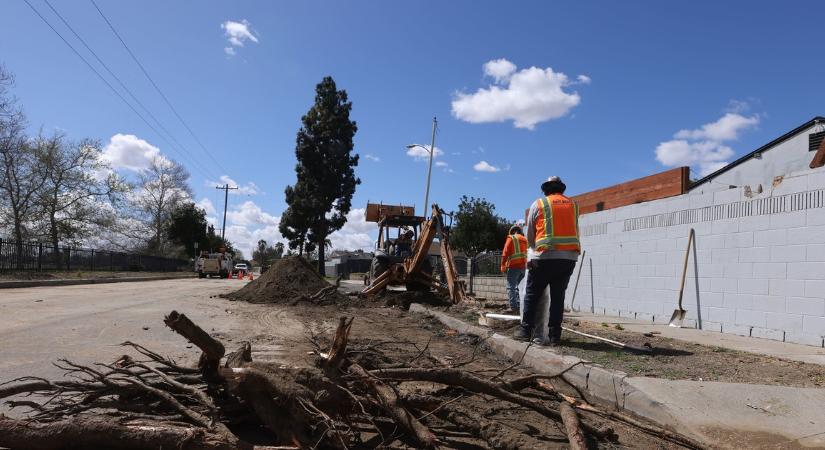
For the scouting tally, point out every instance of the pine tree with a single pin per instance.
(319, 201)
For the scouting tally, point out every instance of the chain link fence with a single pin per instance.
(37, 256)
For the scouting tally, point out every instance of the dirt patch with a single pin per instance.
(390, 335)
(671, 359)
(404, 299)
(290, 280)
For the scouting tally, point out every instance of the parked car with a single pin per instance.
(240, 267)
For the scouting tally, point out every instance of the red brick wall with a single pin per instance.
(664, 184)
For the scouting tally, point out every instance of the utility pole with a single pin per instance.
(226, 188)
(430, 169)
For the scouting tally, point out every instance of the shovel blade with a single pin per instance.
(677, 318)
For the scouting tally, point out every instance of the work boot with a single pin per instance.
(554, 341)
(541, 342)
(522, 333)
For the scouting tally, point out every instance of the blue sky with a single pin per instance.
(654, 73)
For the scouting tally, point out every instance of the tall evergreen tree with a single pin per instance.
(326, 181)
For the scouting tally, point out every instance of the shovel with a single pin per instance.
(622, 345)
(678, 317)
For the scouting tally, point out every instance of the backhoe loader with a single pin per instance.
(397, 263)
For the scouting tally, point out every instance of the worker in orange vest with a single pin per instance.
(553, 234)
(513, 262)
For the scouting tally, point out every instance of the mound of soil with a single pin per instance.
(289, 281)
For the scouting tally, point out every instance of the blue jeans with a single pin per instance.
(514, 277)
(547, 272)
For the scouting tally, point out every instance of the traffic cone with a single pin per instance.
(250, 276)
(240, 275)
(229, 275)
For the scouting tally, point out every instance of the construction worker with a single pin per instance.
(513, 262)
(553, 233)
(403, 245)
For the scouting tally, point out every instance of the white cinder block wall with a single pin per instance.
(759, 268)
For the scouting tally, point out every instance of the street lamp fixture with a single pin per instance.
(431, 151)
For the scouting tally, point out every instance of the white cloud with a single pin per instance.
(727, 128)
(237, 33)
(247, 223)
(249, 213)
(705, 148)
(441, 164)
(372, 157)
(422, 152)
(484, 166)
(500, 69)
(249, 188)
(206, 205)
(127, 151)
(583, 79)
(527, 97)
(356, 234)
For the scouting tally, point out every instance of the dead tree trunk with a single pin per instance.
(572, 426)
(212, 349)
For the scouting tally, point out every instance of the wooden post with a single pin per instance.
(39, 256)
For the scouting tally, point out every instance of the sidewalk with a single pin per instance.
(784, 350)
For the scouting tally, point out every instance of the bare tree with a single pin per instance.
(21, 175)
(79, 187)
(162, 187)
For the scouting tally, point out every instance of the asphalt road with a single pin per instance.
(86, 323)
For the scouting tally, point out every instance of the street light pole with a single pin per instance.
(226, 188)
(430, 169)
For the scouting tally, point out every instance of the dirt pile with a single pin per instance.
(289, 281)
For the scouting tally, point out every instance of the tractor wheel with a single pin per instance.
(377, 267)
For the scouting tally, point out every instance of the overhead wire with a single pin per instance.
(131, 94)
(155, 85)
(96, 72)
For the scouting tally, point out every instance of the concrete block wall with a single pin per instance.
(492, 288)
(758, 269)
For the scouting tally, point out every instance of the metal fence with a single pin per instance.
(487, 264)
(37, 256)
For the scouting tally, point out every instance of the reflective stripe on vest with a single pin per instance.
(517, 253)
(552, 238)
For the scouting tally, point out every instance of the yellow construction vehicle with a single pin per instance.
(405, 259)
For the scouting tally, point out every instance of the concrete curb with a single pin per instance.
(41, 283)
(611, 387)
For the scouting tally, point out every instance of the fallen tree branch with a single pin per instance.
(571, 425)
(213, 350)
(390, 403)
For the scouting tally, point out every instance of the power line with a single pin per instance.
(89, 65)
(157, 88)
(128, 91)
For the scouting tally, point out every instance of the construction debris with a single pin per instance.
(353, 395)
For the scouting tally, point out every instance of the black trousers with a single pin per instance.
(543, 272)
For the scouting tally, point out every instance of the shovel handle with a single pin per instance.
(684, 268)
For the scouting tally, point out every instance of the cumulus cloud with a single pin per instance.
(249, 188)
(237, 33)
(484, 166)
(127, 151)
(206, 205)
(727, 128)
(500, 69)
(441, 164)
(356, 234)
(422, 152)
(247, 223)
(527, 97)
(705, 148)
(372, 157)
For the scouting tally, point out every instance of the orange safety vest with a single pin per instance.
(517, 259)
(557, 224)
